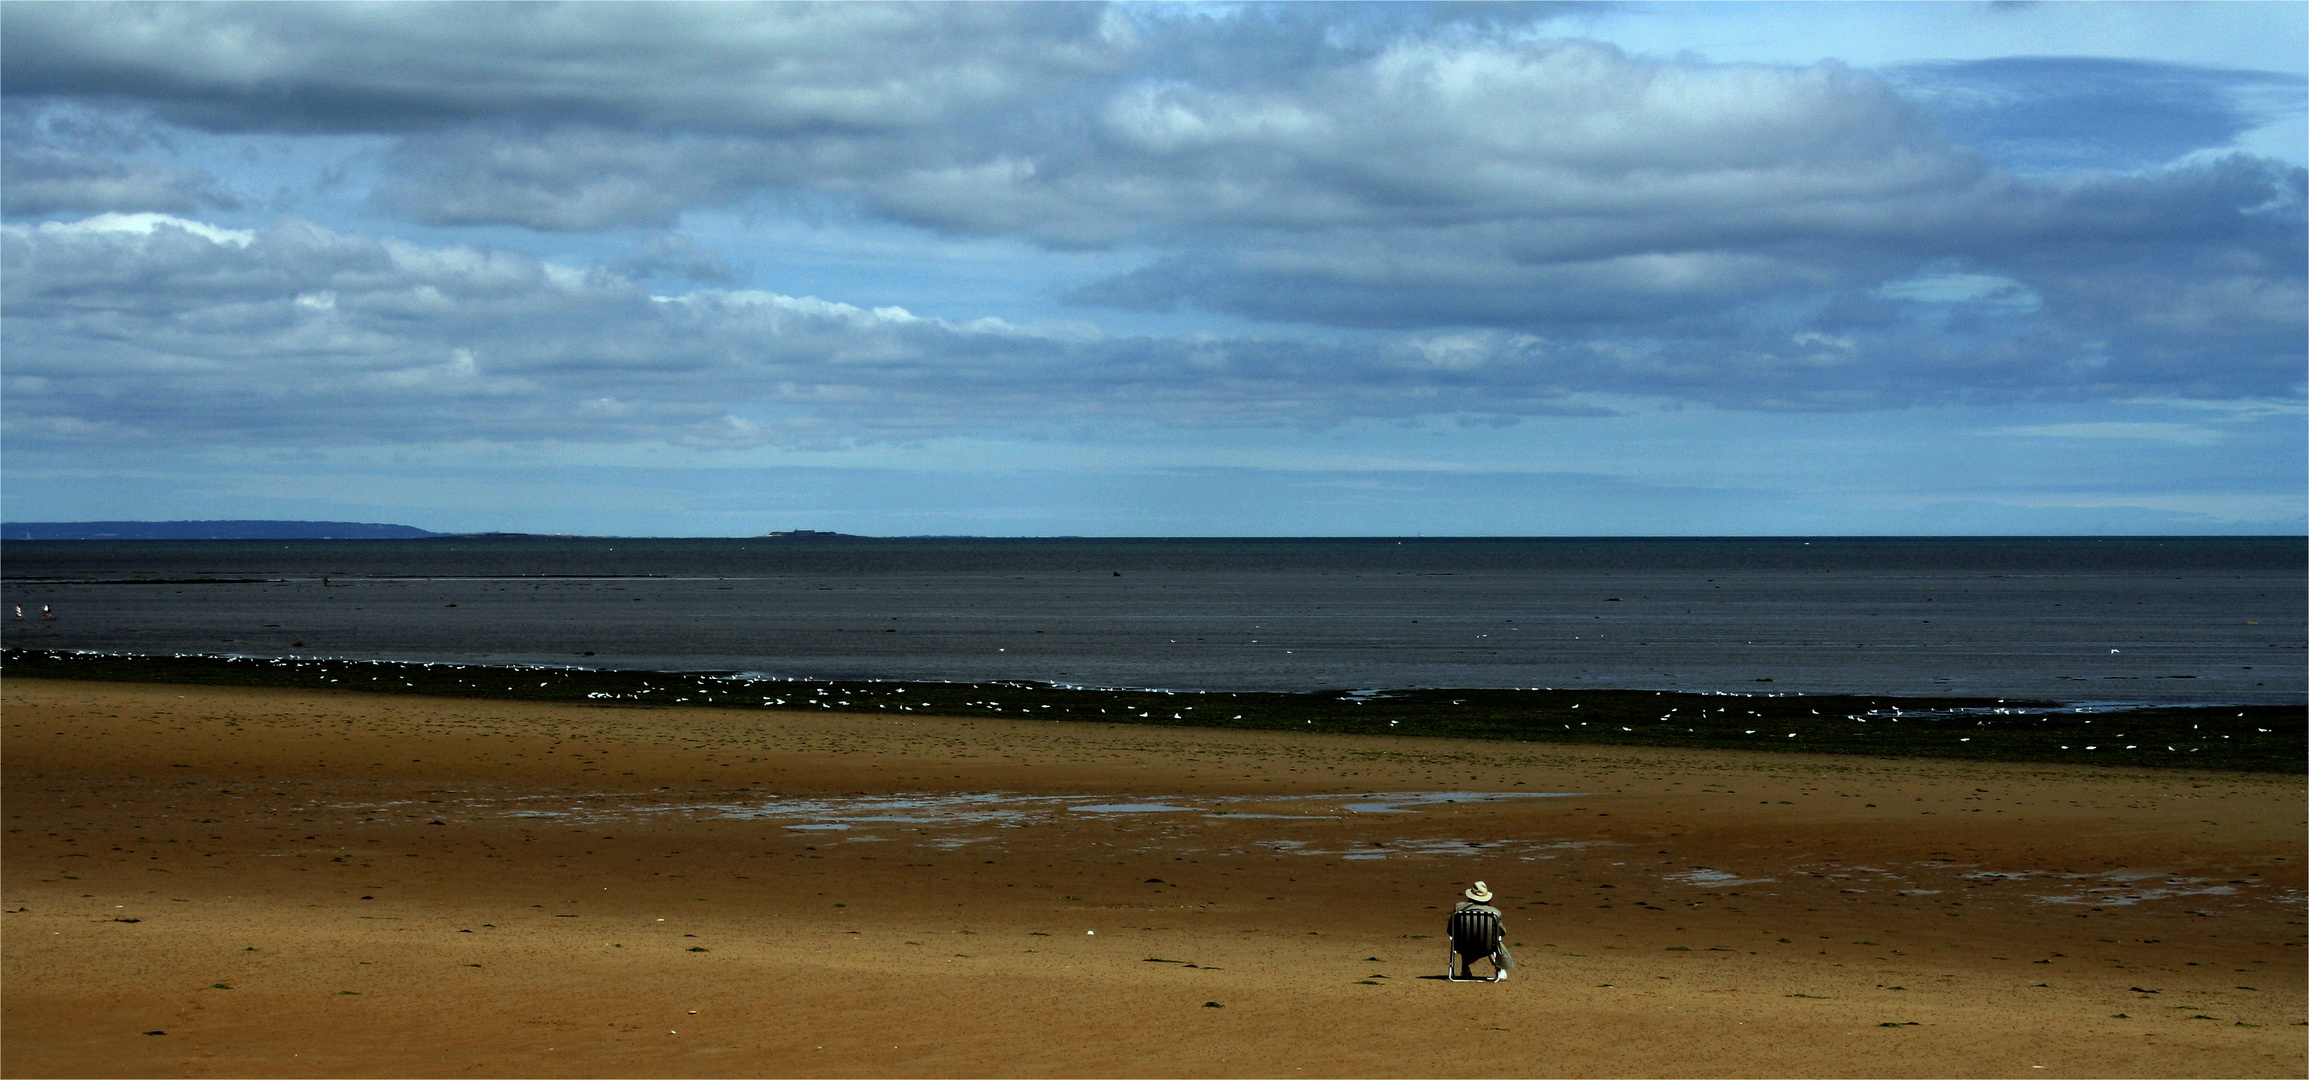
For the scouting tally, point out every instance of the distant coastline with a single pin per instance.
(238, 529)
(208, 530)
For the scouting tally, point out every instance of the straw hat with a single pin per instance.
(1481, 893)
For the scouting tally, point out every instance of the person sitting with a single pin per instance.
(1479, 899)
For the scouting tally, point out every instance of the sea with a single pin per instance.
(2118, 620)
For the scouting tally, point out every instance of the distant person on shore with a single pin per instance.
(1479, 899)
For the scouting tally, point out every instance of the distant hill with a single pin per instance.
(206, 530)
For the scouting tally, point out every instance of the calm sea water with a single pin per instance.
(2130, 619)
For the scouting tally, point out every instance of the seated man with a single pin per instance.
(1479, 899)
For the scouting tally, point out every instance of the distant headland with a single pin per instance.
(207, 530)
(299, 530)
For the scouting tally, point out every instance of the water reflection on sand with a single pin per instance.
(955, 816)
(1357, 826)
(1007, 808)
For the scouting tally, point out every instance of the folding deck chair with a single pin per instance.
(1474, 936)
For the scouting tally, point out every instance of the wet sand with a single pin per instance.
(295, 882)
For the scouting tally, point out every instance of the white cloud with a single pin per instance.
(143, 224)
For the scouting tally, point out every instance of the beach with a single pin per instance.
(207, 881)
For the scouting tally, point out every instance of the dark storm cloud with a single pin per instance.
(2188, 280)
(43, 180)
(677, 256)
(1070, 124)
(78, 160)
(132, 328)
(574, 179)
(343, 68)
(128, 329)
(2065, 114)
(1487, 220)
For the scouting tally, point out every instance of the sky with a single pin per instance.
(1159, 269)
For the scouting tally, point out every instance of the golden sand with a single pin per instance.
(297, 883)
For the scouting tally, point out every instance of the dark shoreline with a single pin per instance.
(2241, 738)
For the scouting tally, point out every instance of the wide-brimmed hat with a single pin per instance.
(1481, 893)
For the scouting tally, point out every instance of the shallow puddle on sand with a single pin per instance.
(1006, 808)
(1707, 878)
(1410, 801)
(2116, 888)
(1363, 851)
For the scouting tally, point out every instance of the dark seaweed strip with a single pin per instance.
(2256, 738)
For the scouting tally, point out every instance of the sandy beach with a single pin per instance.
(262, 882)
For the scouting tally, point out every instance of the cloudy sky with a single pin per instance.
(1158, 269)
